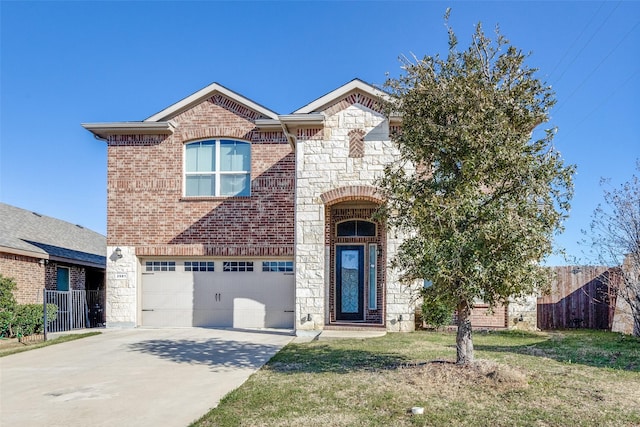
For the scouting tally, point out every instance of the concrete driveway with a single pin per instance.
(137, 377)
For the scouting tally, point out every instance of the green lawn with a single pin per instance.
(8, 347)
(576, 378)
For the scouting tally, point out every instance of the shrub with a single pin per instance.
(28, 318)
(437, 311)
(7, 304)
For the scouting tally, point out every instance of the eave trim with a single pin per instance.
(205, 93)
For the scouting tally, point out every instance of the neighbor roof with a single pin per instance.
(29, 233)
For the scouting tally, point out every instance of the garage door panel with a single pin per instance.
(204, 296)
(239, 299)
(166, 318)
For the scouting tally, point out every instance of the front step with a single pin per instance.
(348, 326)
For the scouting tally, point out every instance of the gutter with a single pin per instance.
(286, 122)
(103, 130)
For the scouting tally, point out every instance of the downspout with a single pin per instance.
(293, 141)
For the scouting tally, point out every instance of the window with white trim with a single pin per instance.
(217, 167)
(237, 266)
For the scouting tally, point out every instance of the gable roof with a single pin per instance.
(336, 94)
(206, 93)
(355, 91)
(28, 233)
(161, 124)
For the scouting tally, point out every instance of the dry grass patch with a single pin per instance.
(481, 373)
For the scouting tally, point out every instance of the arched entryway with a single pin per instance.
(356, 257)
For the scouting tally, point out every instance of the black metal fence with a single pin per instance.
(75, 309)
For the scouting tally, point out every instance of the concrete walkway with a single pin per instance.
(137, 377)
(308, 336)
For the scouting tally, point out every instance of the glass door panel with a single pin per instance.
(349, 282)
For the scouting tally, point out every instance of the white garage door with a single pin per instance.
(238, 294)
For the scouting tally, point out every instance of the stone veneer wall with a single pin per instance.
(323, 164)
(122, 277)
(522, 313)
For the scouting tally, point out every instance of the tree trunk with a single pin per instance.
(464, 343)
(635, 312)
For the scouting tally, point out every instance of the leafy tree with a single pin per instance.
(615, 234)
(477, 196)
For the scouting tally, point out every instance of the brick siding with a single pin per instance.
(31, 276)
(146, 207)
(481, 318)
(28, 274)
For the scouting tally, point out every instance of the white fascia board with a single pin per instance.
(118, 126)
(268, 124)
(34, 254)
(205, 93)
(302, 119)
(355, 84)
(115, 128)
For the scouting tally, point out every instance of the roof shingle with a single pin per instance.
(27, 231)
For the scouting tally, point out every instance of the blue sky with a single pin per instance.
(65, 63)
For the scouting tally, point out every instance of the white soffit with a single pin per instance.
(102, 130)
(355, 84)
(205, 93)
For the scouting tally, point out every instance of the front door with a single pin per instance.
(62, 279)
(350, 282)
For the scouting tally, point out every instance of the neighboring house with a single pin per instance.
(224, 213)
(41, 252)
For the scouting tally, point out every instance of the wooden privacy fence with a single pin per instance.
(580, 297)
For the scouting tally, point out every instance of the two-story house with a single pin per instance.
(224, 213)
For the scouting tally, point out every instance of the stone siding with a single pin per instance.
(122, 290)
(325, 165)
(522, 313)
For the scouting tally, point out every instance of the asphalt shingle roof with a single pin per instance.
(24, 230)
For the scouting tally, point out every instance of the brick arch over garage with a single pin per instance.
(352, 192)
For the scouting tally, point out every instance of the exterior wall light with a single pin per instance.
(118, 252)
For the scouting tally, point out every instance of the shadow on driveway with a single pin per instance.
(215, 353)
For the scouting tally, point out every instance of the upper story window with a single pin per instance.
(217, 167)
(356, 228)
